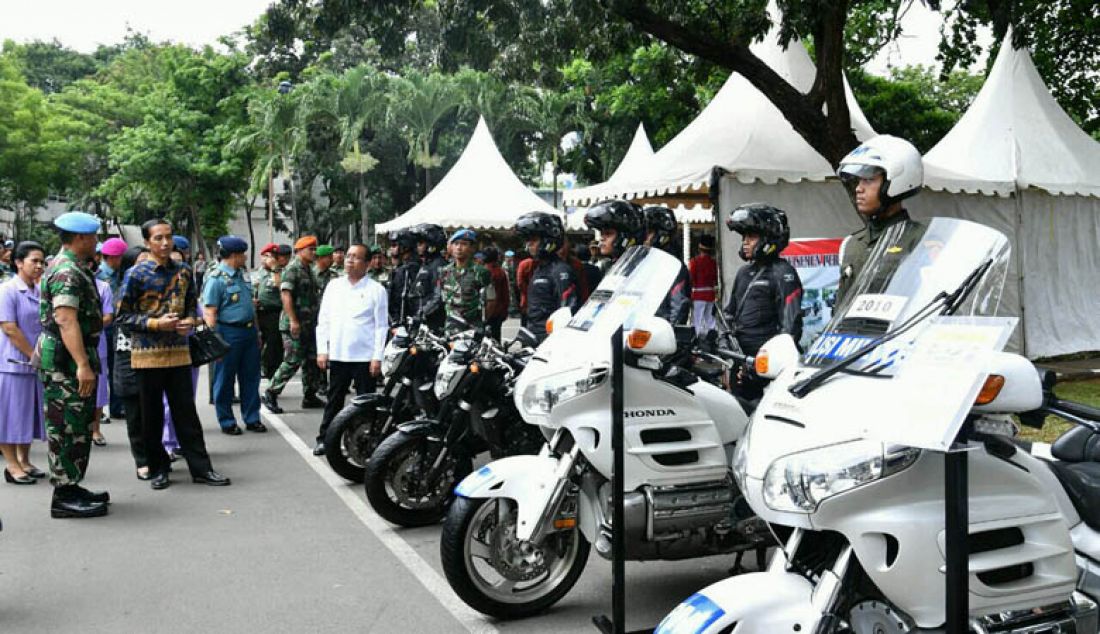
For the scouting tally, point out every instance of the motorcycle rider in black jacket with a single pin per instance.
(553, 282)
(766, 298)
(431, 239)
(401, 301)
(660, 225)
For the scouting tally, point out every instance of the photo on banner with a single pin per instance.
(817, 261)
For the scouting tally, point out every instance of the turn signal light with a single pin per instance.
(549, 326)
(990, 389)
(637, 339)
(565, 522)
(761, 363)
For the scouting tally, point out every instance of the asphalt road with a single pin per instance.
(289, 547)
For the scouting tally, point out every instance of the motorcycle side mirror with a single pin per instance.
(559, 317)
(652, 335)
(526, 338)
(776, 355)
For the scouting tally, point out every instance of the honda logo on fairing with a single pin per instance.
(648, 413)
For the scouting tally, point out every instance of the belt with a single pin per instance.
(236, 324)
(267, 311)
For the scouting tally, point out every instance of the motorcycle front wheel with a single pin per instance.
(351, 438)
(498, 575)
(395, 480)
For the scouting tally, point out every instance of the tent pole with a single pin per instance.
(1019, 257)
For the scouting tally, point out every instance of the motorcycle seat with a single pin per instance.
(1081, 480)
(1079, 444)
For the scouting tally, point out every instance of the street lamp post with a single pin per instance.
(284, 88)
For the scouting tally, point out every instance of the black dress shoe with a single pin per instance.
(93, 496)
(259, 428)
(67, 502)
(144, 476)
(36, 473)
(271, 401)
(211, 478)
(232, 431)
(312, 403)
(23, 479)
(160, 481)
(319, 449)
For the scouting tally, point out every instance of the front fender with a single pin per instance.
(528, 480)
(754, 603)
(424, 427)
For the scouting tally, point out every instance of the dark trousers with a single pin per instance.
(242, 365)
(494, 327)
(271, 355)
(175, 384)
(342, 374)
(132, 409)
(115, 408)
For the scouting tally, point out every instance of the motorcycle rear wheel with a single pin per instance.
(558, 562)
(398, 463)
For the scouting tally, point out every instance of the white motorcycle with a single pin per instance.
(517, 536)
(846, 450)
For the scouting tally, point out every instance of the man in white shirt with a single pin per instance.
(351, 334)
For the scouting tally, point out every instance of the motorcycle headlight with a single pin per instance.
(390, 357)
(447, 377)
(540, 396)
(798, 483)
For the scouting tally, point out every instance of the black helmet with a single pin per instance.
(764, 220)
(404, 239)
(661, 222)
(625, 218)
(545, 226)
(431, 234)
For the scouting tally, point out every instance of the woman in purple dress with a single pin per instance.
(21, 404)
(103, 394)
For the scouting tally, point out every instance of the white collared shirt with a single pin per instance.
(352, 323)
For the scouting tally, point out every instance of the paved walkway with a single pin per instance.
(289, 547)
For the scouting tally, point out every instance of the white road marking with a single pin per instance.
(470, 619)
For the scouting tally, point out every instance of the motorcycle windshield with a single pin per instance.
(633, 289)
(910, 265)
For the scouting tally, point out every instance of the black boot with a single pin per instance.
(270, 400)
(68, 502)
(93, 496)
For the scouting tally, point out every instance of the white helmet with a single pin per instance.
(895, 157)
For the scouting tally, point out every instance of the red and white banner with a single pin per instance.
(817, 261)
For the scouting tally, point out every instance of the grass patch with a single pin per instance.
(1087, 392)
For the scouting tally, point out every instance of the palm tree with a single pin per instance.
(551, 115)
(417, 102)
(276, 136)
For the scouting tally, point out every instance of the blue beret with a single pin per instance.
(181, 243)
(509, 253)
(9, 244)
(464, 234)
(479, 255)
(77, 222)
(232, 244)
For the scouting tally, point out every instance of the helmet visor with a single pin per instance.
(859, 170)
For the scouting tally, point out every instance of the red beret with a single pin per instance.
(270, 247)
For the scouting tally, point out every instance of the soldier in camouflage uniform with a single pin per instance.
(269, 304)
(325, 270)
(72, 319)
(465, 286)
(377, 268)
(300, 291)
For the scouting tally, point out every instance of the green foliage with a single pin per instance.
(49, 66)
(914, 103)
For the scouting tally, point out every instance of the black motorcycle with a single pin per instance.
(409, 365)
(410, 478)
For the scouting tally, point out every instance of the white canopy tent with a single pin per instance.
(480, 191)
(1017, 162)
(639, 152)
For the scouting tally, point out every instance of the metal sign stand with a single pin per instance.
(957, 536)
(617, 623)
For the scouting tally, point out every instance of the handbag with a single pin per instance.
(207, 346)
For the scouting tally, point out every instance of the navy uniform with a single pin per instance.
(229, 293)
(426, 290)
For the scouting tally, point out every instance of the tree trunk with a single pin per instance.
(364, 214)
(828, 134)
(196, 229)
(251, 234)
